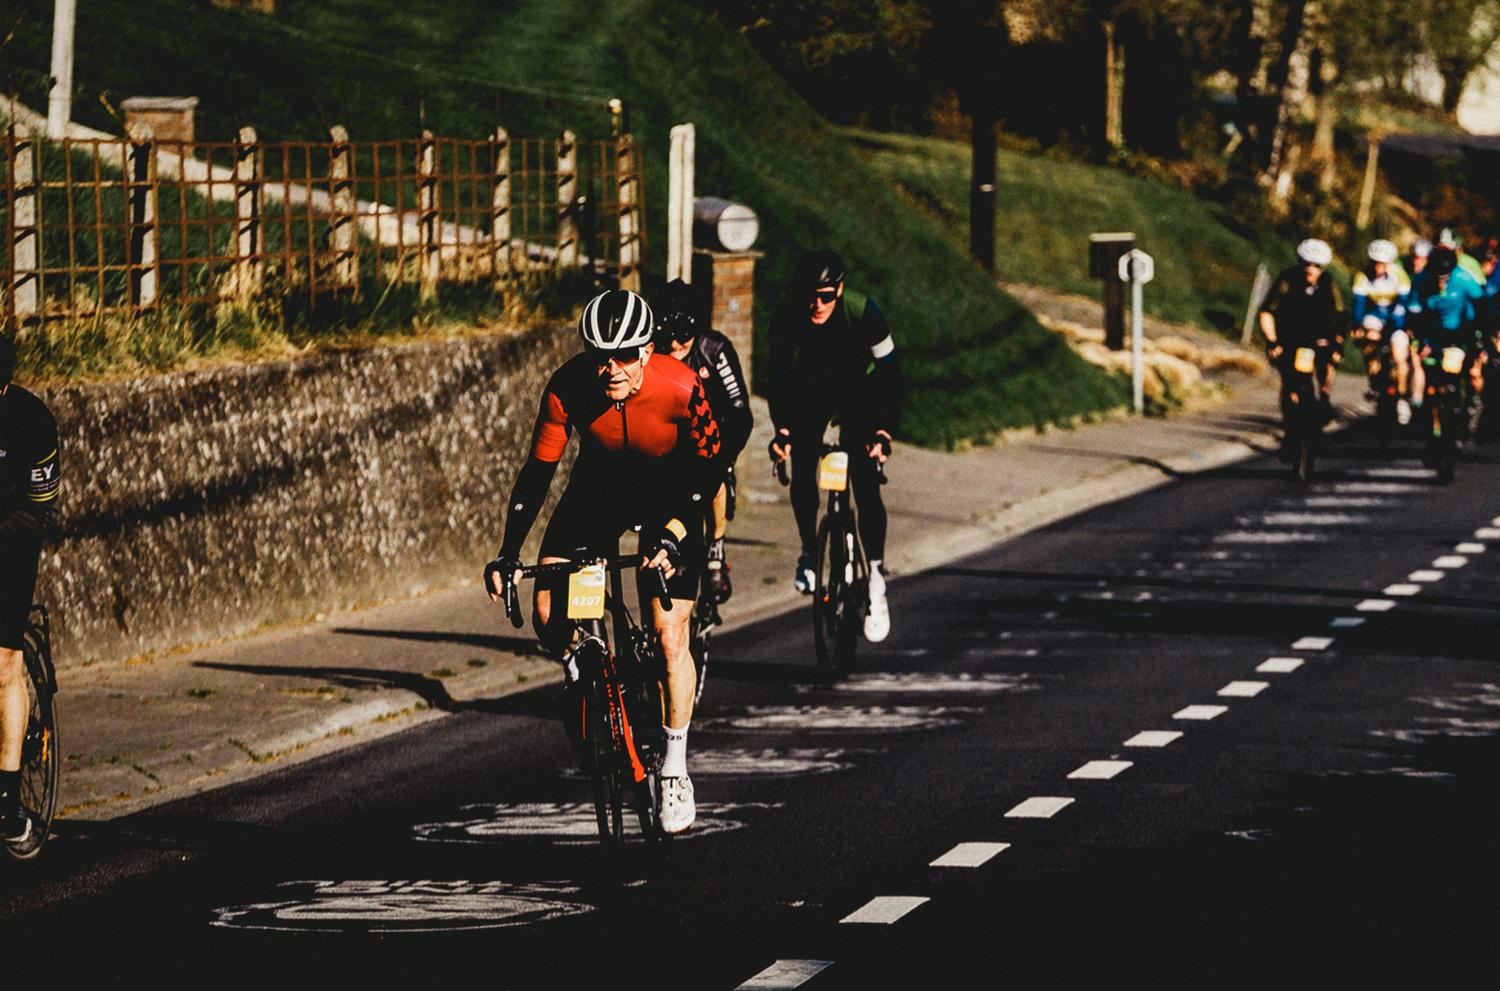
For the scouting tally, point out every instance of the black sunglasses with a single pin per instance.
(625, 356)
(826, 295)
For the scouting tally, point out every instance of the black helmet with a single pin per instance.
(680, 314)
(7, 359)
(1443, 261)
(616, 320)
(819, 269)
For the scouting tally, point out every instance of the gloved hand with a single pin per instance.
(879, 446)
(502, 570)
(781, 445)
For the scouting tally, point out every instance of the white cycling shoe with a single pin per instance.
(1403, 412)
(677, 807)
(877, 616)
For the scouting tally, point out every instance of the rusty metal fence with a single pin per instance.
(131, 225)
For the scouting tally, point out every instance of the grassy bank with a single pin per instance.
(1047, 208)
(978, 362)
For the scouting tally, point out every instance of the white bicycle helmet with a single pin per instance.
(1315, 252)
(1383, 251)
(615, 320)
(1421, 249)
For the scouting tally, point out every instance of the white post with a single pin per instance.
(680, 204)
(60, 95)
(1137, 371)
(1137, 268)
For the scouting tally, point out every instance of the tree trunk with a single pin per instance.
(982, 184)
(1278, 80)
(1114, 88)
(1322, 75)
(1244, 59)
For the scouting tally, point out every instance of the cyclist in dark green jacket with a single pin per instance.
(833, 356)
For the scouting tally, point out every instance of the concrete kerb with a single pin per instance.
(262, 747)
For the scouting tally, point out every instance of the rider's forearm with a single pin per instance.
(526, 499)
(1268, 327)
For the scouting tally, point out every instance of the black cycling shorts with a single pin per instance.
(19, 555)
(584, 522)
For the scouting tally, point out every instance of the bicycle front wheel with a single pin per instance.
(40, 756)
(837, 613)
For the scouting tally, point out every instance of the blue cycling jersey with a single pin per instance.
(1381, 296)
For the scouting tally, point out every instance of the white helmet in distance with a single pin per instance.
(1315, 252)
(1383, 251)
(616, 320)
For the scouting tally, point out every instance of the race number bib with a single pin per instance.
(833, 471)
(586, 593)
(1453, 360)
(1305, 360)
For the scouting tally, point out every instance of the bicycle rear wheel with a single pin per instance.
(40, 756)
(608, 804)
(701, 633)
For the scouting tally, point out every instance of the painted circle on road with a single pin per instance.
(559, 822)
(388, 907)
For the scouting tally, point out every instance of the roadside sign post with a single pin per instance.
(1105, 252)
(1137, 268)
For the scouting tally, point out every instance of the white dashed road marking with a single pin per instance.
(1450, 561)
(1345, 622)
(1401, 589)
(1043, 807)
(1100, 770)
(1153, 738)
(1243, 689)
(1487, 533)
(1396, 472)
(1270, 537)
(1279, 665)
(1201, 712)
(783, 975)
(884, 910)
(1426, 575)
(1376, 605)
(970, 855)
(1313, 643)
(1468, 548)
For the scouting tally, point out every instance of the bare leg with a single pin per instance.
(682, 677)
(13, 706)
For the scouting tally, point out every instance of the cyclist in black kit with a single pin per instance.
(832, 355)
(682, 331)
(29, 483)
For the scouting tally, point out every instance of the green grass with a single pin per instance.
(977, 361)
(1047, 208)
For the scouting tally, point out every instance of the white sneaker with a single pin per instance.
(677, 808)
(877, 616)
(1403, 412)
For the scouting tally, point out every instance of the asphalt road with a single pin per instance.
(1333, 817)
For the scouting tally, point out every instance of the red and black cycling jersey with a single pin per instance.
(658, 448)
(30, 476)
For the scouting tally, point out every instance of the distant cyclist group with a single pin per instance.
(1426, 326)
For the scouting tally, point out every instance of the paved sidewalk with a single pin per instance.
(147, 732)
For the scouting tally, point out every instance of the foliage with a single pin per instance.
(977, 361)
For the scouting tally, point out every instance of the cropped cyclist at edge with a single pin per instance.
(1380, 292)
(29, 484)
(1304, 309)
(649, 456)
(832, 355)
(682, 331)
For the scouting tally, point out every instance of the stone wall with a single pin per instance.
(203, 504)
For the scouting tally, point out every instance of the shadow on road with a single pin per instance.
(520, 646)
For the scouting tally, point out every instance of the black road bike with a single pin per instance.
(613, 694)
(40, 756)
(1303, 407)
(1450, 407)
(841, 590)
(1380, 366)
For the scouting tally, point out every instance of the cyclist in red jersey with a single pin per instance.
(648, 459)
